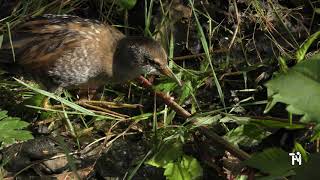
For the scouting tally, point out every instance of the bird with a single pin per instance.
(69, 52)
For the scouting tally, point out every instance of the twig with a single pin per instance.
(184, 113)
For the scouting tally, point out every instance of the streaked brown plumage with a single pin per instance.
(62, 51)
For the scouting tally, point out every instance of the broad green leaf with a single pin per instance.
(176, 164)
(127, 4)
(246, 135)
(192, 165)
(299, 88)
(236, 119)
(168, 152)
(10, 129)
(173, 171)
(187, 168)
(166, 86)
(301, 52)
(273, 161)
(207, 120)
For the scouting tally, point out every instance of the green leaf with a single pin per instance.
(277, 124)
(273, 161)
(262, 122)
(166, 86)
(299, 88)
(168, 152)
(175, 172)
(3, 114)
(192, 165)
(176, 164)
(127, 4)
(236, 119)
(206, 120)
(246, 135)
(10, 129)
(301, 52)
(316, 134)
(186, 91)
(36, 100)
(298, 148)
(187, 168)
(283, 64)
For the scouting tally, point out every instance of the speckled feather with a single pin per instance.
(44, 44)
(63, 51)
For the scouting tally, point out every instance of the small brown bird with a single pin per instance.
(62, 51)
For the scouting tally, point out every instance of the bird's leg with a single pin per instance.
(46, 100)
(87, 92)
(46, 103)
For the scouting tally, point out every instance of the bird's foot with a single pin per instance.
(46, 103)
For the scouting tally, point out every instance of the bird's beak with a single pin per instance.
(168, 72)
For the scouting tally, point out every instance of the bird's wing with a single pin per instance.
(42, 40)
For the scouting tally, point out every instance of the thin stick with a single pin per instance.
(184, 113)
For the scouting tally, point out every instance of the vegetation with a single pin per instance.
(250, 96)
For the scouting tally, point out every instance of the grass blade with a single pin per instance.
(63, 101)
(207, 53)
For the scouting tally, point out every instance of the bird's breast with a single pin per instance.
(75, 67)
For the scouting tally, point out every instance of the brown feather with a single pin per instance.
(68, 51)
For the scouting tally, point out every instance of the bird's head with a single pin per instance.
(142, 55)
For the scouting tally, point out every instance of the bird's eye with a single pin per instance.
(149, 60)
